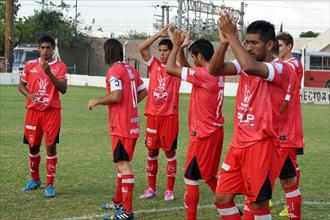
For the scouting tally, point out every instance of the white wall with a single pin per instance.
(308, 95)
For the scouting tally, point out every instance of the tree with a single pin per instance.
(133, 34)
(2, 22)
(309, 34)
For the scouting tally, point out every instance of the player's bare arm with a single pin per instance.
(171, 67)
(142, 94)
(182, 55)
(217, 65)
(144, 47)
(111, 98)
(60, 84)
(246, 61)
(22, 88)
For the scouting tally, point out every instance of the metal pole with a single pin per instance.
(9, 34)
(163, 16)
(75, 41)
(180, 12)
(241, 22)
(167, 15)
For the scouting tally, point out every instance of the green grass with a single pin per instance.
(85, 174)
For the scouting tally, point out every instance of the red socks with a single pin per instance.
(34, 166)
(171, 171)
(191, 198)
(51, 162)
(117, 199)
(263, 214)
(248, 210)
(152, 168)
(127, 191)
(228, 211)
(293, 202)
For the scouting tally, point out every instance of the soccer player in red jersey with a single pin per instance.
(205, 119)
(41, 81)
(291, 132)
(250, 166)
(125, 89)
(162, 114)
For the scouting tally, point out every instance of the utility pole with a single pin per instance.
(9, 34)
(241, 22)
(180, 13)
(75, 40)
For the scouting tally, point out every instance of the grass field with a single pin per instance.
(85, 174)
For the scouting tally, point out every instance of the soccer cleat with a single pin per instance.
(148, 194)
(32, 185)
(121, 214)
(109, 216)
(270, 204)
(111, 205)
(284, 212)
(50, 191)
(169, 195)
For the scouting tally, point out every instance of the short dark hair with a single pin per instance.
(202, 46)
(265, 30)
(275, 49)
(286, 38)
(113, 51)
(47, 39)
(166, 42)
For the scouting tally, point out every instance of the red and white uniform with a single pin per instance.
(258, 104)
(252, 157)
(163, 98)
(205, 122)
(123, 116)
(43, 115)
(40, 85)
(205, 107)
(296, 135)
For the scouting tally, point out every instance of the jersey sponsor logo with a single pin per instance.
(33, 71)
(247, 95)
(42, 84)
(244, 117)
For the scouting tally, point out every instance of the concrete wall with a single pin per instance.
(308, 95)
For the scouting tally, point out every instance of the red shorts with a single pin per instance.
(250, 171)
(162, 132)
(203, 157)
(122, 148)
(39, 123)
(287, 162)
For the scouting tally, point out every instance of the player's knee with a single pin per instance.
(35, 149)
(260, 205)
(220, 198)
(153, 153)
(170, 154)
(288, 182)
(124, 167)
(51, 149)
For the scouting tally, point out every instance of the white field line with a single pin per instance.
(319, 203)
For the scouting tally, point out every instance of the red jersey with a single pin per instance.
(163, 97)
(123, 116)
(41, 86)
(205, 107)
(258, 104)
(292, 130)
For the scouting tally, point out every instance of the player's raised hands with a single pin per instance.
(227, 24)
(221, 36)
(186, 41)
(177, 39)
(163, 32)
